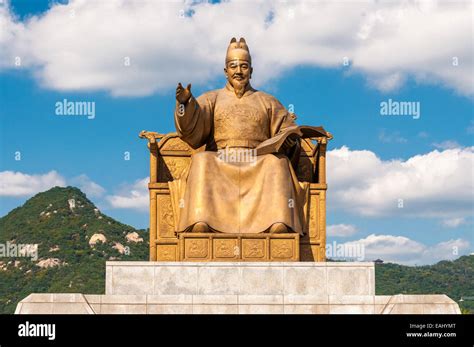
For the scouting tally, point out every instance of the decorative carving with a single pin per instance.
(249, 124)
(226, 248)
(253, 248)
(174, 144)
(176, 166)
(197, 248)
(282, 249)
(321, 231)
(313, 216)
(165, 216)
(166, 253)
(172, 168)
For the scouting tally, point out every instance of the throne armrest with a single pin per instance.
(152, 136)
(312, 164)
(169, 156)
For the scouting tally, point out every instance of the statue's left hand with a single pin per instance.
(289, 143)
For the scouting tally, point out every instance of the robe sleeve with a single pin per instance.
(193, 120)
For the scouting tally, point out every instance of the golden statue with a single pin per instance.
(244, 191)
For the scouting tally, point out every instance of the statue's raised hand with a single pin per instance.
(182, 94)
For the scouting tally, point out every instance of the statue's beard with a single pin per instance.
(239, 87)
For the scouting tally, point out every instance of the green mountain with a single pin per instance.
(453, 278)
(64, 224)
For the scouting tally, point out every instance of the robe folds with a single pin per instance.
(228, 186)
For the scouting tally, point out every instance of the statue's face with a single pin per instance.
(238, 73)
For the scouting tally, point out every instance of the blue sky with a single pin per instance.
(344, 99)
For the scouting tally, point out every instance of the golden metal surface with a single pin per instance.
(194, 177)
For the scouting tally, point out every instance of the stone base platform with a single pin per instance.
(237, 288)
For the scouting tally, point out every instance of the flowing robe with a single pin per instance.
(245, 196)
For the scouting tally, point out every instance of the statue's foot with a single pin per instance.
(200, 227)
(278, 228)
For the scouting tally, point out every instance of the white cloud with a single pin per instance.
(436, 184)
(18, 184)
(134, 196)
(82, 45)
(448, 144)
(391, 137)
(402, 250)
(341, 230)
(90, 188)
(453, 222)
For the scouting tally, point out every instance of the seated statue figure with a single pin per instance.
(222, 195)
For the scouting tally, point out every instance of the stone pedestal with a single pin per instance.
(273, 287)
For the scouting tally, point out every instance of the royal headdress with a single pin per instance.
(238, 50)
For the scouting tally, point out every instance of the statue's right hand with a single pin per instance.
(183, 94)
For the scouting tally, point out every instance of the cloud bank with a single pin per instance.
(402, 250)
(434, 185)
(135, 48)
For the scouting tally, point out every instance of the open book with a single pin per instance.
(274, 144)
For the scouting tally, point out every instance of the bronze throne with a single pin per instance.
(170, 158)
